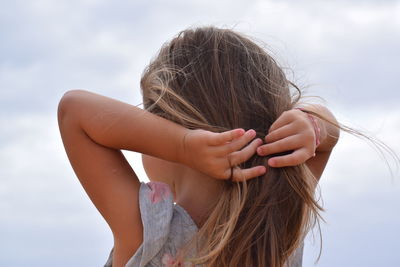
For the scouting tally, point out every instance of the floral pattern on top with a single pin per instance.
(167, 228)
(159, 192)
(170, 261)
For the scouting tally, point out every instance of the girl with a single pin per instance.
(233, 163)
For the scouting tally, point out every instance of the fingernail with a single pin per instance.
(263, 170)
(251, 132)
(271, 162)
(241, 131)
(259, 151)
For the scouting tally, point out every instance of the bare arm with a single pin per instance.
(91, 137)
(94, 128)
(329, 137)
(293, 131)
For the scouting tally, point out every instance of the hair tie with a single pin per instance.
(317, 130)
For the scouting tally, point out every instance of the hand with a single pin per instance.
(217, 154)
(292, 131)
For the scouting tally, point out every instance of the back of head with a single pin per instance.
(217, 79)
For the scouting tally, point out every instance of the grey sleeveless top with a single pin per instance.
(167, 227)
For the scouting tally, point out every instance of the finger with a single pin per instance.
(280, 133)
(246, 153)
(292, 142)
(240, 175)
(285, 118)
(239, 142)
(297, 157)
(224, 137)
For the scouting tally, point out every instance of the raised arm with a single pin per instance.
(294, 131)
(94, 128)
(91, 133)
(118, 125)
(329, 138)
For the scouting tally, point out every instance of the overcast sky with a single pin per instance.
(344, 51)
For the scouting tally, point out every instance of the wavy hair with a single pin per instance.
(216, 79)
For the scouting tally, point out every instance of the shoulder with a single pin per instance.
(161, 217)
(166, 226)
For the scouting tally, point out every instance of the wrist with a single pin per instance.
(181, 152)
(322, 134)
(316, 125)
(328, 125)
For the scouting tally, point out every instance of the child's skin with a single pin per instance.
(193, 163)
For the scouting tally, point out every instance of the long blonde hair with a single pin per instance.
(217, 79)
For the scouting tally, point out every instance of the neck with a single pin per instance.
(197, 194)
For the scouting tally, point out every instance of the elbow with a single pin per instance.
(67, 105)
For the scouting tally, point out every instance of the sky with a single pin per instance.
(343, 51)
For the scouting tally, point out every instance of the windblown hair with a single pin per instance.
(216, 79)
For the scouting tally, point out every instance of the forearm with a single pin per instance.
(330, 133)
(118, 125)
